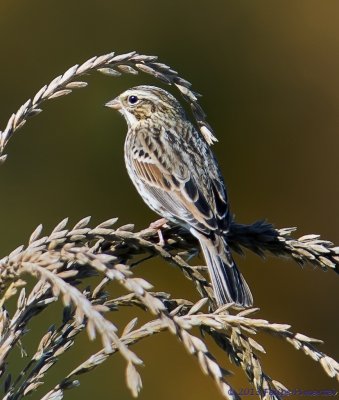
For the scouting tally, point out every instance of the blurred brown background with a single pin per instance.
(269, 73)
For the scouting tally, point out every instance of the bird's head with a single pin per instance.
(144, 102)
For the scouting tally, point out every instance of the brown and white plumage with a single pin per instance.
(177, 175)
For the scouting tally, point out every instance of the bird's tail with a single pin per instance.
(228, 283)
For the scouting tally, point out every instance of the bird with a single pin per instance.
(173, 168)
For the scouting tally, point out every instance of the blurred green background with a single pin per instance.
(268, 72)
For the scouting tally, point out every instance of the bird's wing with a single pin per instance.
(183, 176)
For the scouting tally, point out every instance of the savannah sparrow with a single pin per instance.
(177, 175)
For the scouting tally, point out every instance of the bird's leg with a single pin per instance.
(160, 223)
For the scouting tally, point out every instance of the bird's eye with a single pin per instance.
(133, 99)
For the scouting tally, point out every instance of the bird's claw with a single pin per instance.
(160, 223)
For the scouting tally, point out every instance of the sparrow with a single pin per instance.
(174, 170)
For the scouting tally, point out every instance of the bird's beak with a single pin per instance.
(115, 103)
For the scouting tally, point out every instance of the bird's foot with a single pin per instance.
(160, 223)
